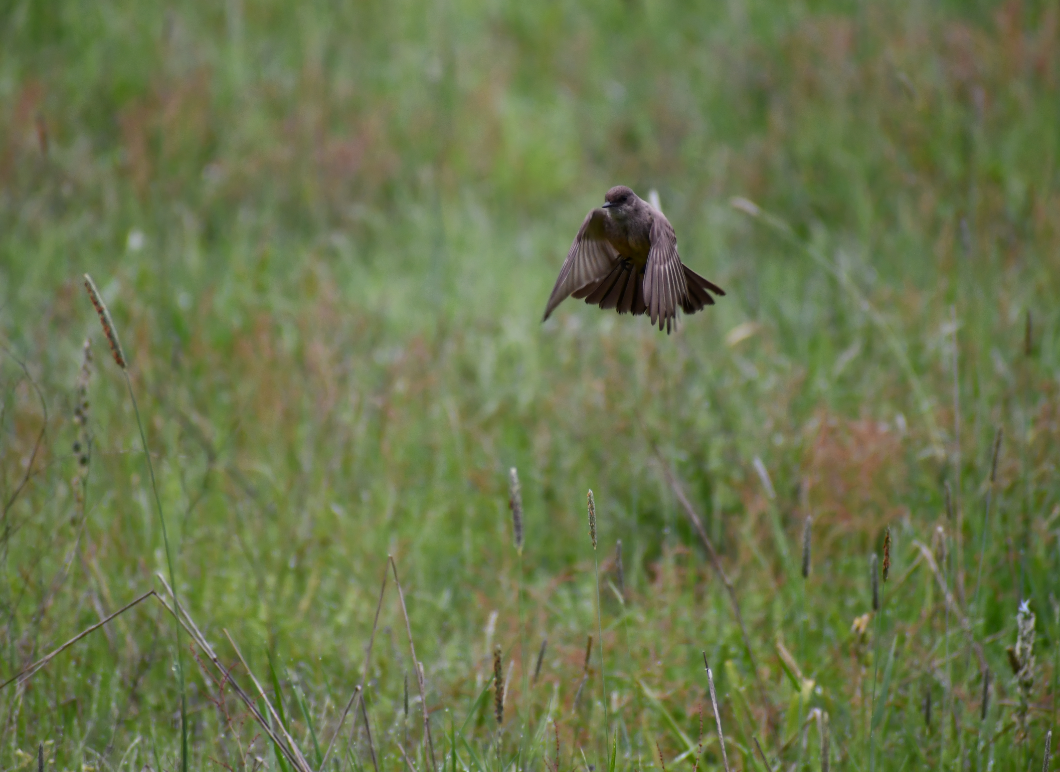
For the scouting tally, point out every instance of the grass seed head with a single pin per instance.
(1028, 336)
(996, 453)
(498, 685)
(806, 533)
(592, 517)
(1024, 658)
(540, 659)
(619, 570)
(986, 695)
(82, 445)
(515, 504)
(886, 554)
(107, 322)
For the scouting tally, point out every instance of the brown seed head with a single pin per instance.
(993, 460)
(105, 320)
(806, 533)
(515, 504)
(540, 659)
(592, 518)
(498, 685)
(886, 554)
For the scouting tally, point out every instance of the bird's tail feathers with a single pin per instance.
(699, 290)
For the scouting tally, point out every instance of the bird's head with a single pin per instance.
(620, 201)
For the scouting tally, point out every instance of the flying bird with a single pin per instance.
(625, 257)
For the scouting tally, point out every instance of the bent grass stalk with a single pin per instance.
(119, 358)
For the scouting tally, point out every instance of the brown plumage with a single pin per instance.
(625, 257)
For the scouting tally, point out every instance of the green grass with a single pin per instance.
(326, 233)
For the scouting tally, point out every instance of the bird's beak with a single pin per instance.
(608, 205)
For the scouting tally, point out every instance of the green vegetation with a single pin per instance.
(326, 233)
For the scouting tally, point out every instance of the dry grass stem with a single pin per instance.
(717, 713)
(28, 672)
(367, 732)
(761, 753)
(300, 761)
(620, 572)
(292, 754)
(427, 741)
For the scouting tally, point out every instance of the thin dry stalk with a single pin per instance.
(28, 672)
(761, 753)
(185, 621)
(416, 665)
(367, 732)
(715, 561)
(620, 572)
(359, 691)
(405, 756)
(301, 761)
(717, 713)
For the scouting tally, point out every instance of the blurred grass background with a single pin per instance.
(326, 232)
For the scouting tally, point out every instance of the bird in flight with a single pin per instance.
(625, 257)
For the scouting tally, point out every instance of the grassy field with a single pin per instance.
(326, 233)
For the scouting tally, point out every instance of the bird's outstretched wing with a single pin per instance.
(664, 277)
(591, 258)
